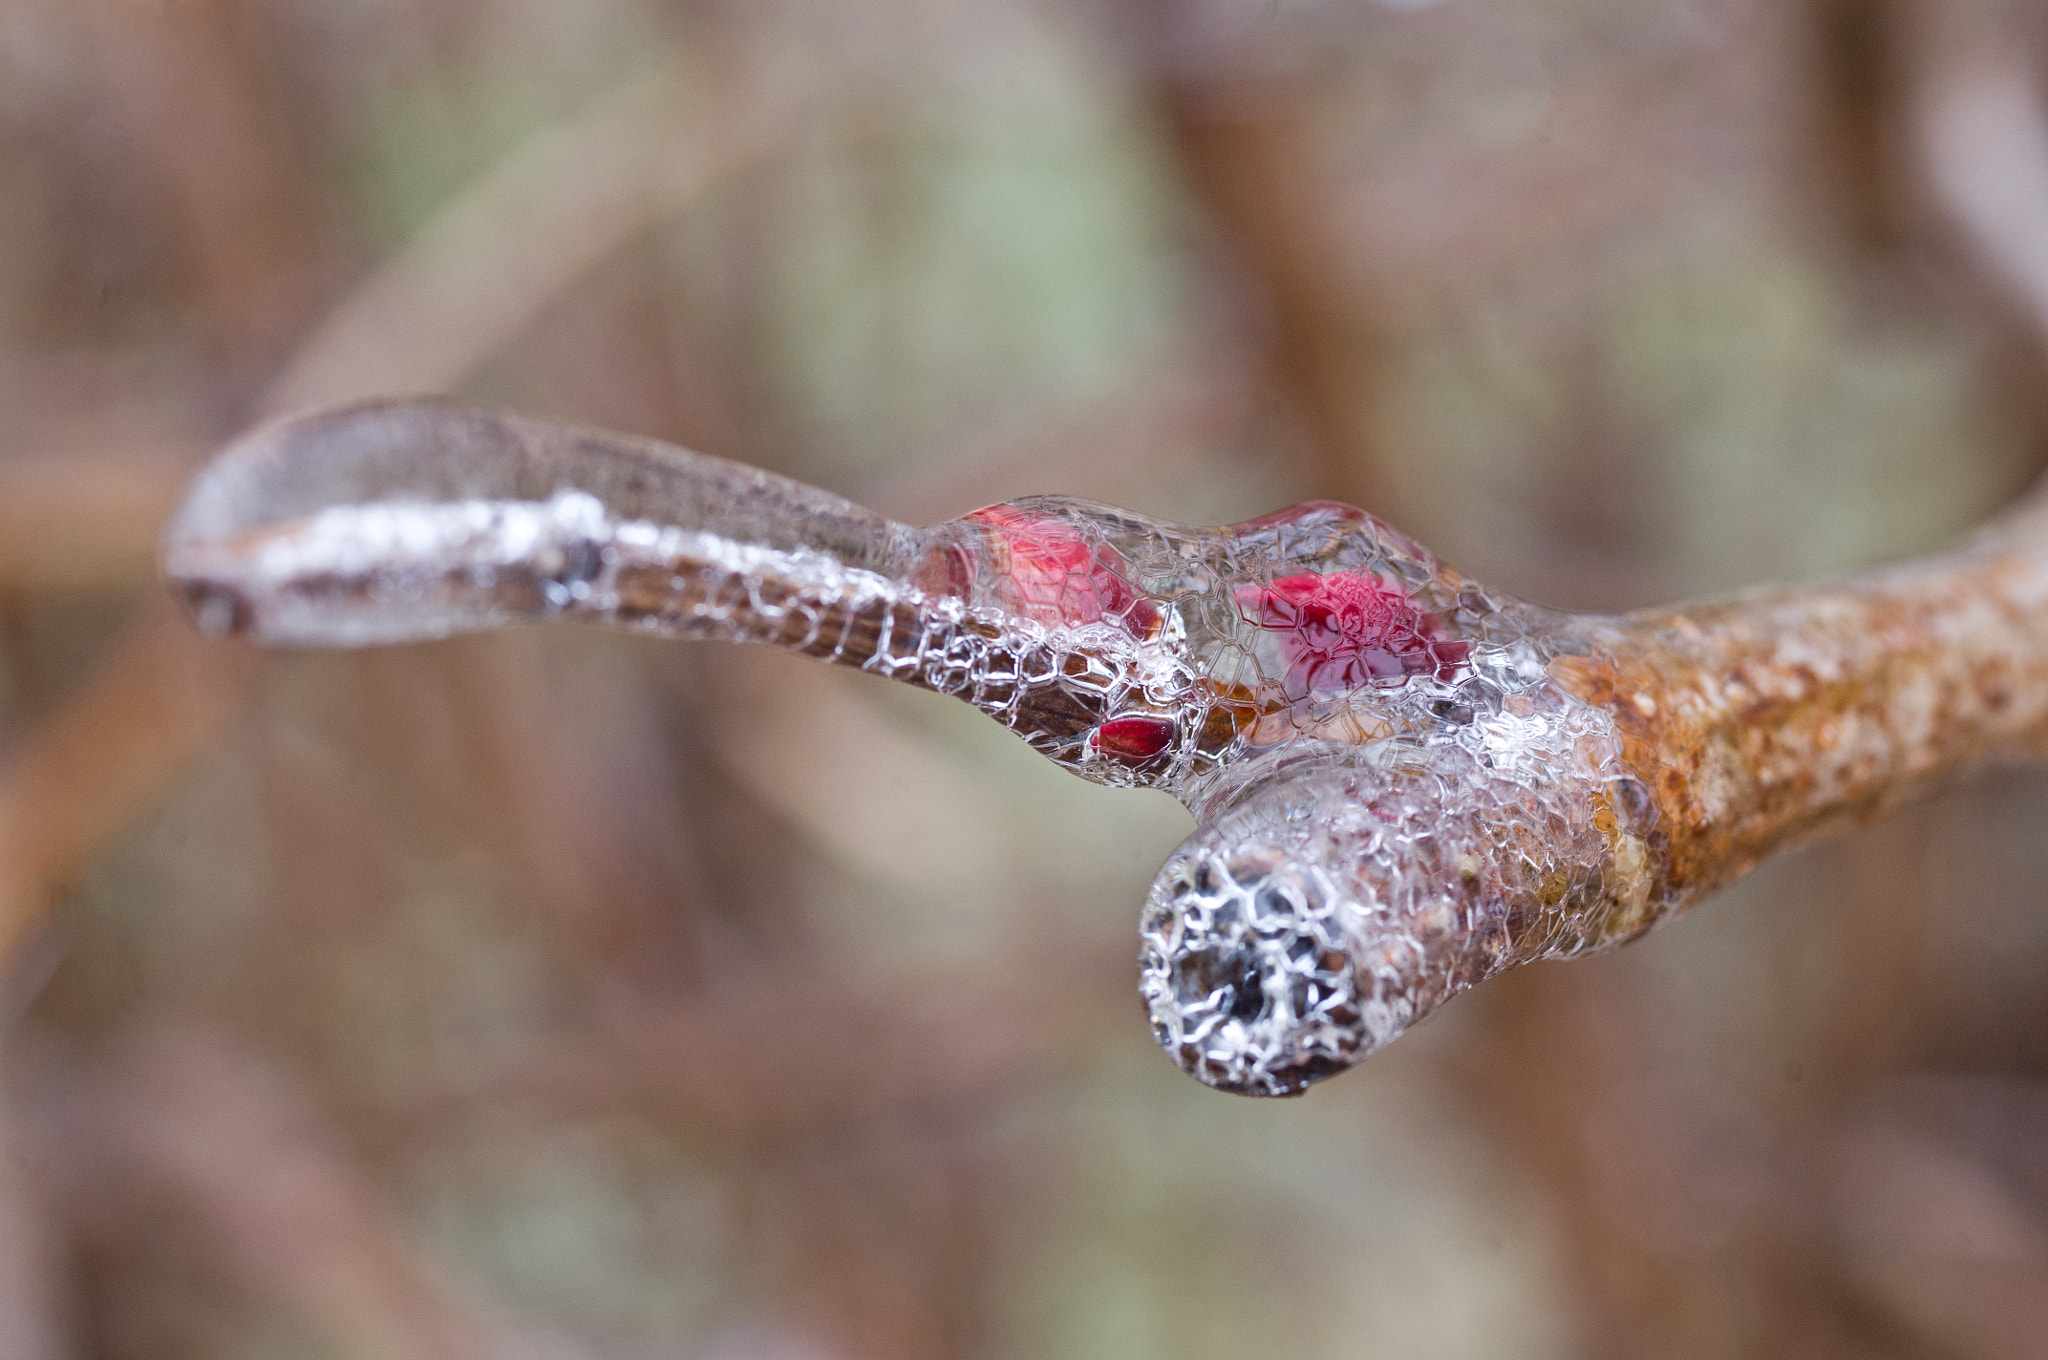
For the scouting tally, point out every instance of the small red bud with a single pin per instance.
(1133, 740)
(1350, 628)
(1054, 576)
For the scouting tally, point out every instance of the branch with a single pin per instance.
(1404, 782)
(85, 523)
(1246, 142)
(1980, 130)
(528, 228)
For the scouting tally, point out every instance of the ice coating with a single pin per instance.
(1334, 895)
(1402, 781)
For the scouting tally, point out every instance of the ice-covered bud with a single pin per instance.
(1052, 574)
(1347, 629)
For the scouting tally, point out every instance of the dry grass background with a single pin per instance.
(568, 995)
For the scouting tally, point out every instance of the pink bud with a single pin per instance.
(1133, 740)
(1347, 629)
(1054, 576)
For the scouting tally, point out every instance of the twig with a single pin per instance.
(81, 774)
(84, 523)
(215, 136)
(1978, 137)
(527, 229)
(1404, 782)
(1980, 131)
(1245, 137)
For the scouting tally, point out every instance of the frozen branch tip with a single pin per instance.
(1403, 782)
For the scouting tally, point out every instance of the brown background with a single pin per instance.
(559, 994)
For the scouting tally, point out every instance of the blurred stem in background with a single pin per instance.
(425, 321)
(1247, 141)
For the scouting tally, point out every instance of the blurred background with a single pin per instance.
(560, 994)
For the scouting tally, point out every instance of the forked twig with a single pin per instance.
(1404, 781)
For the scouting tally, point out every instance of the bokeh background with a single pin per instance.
(568, 995)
